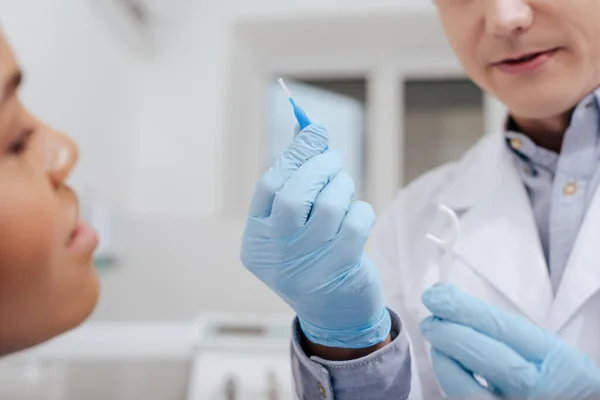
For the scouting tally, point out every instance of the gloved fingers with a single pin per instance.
(354, 232)
(308, 143)
(297, 130)
(329, 210)
(450, 303)
(455, 381)
(497, 363)
(293, 204)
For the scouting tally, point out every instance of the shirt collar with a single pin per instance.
(527, 152)
(591, 100)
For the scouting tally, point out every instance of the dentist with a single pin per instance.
(526, 317)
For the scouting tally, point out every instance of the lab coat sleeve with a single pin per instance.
(384, 374)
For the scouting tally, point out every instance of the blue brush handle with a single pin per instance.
(301, 117)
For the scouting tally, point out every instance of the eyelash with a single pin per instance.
(19, 145)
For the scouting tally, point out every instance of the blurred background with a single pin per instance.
(177, 112)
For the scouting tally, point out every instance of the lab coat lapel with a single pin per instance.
(581, 279)
(499, 237)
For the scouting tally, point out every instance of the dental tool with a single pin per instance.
(447, 244)
(299, 113)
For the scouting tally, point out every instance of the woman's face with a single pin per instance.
(48, 283)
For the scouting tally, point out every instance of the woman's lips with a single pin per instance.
(84, 238)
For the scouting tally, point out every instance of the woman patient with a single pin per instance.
(48, 283)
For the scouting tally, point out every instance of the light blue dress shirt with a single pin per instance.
(560, 188)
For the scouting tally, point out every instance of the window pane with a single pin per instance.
(443, 119)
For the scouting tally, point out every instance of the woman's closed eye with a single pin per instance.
(19, 144)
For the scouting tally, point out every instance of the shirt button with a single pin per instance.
(322, 391)
(570, 189)
(515, 143)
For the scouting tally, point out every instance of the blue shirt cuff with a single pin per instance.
(383, 374)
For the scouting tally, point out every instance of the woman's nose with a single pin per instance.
(61, 156)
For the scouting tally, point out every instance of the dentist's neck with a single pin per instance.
(548, 132)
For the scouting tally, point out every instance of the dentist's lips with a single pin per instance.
(526, 63)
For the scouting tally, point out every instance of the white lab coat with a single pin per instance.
(498, 257)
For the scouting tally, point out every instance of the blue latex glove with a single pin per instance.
(305, 238)
(518, 359)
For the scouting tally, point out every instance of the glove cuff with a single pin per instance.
(349, 338)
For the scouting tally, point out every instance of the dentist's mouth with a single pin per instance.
(526, 63)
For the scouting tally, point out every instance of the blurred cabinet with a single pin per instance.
(26, 378)
(114, 379)
(219, 356)
(247, 375)
(242, 358)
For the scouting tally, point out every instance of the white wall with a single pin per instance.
(79, 81)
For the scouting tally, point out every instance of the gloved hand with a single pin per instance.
(304, 238)
(518, 359)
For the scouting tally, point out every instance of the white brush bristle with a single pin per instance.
(284, 88)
